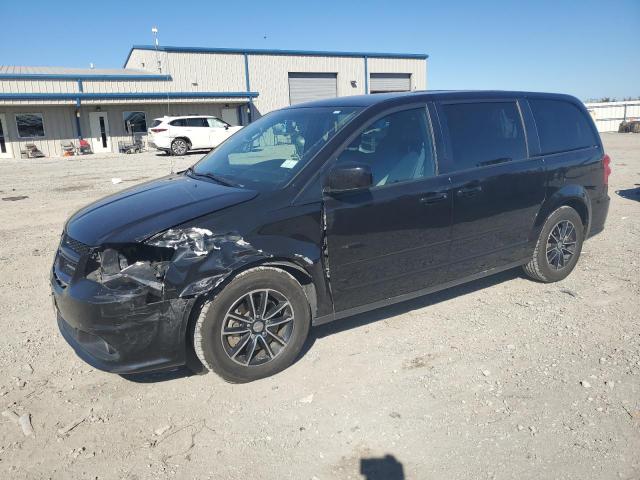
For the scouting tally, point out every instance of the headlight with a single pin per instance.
(198, 240)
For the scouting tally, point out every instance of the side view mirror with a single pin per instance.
(226, 127)
(348, 177)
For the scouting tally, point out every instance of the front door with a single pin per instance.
(100, 139)
(392, 238)
(5, 146)
(218, 131)
(497, 189)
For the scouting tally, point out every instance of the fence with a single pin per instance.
(609, 115)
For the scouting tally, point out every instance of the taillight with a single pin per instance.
(606, 164)
(158, 130)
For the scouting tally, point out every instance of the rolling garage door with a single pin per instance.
(389, 82)
(304, 87)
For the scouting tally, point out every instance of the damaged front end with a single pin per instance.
(125, 308)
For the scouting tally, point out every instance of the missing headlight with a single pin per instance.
(130, 268)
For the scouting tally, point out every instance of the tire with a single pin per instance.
(179, 147)
(548, 264)
(252, 352)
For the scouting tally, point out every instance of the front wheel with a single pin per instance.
(255, 327)
(558, 248)
(179, 147)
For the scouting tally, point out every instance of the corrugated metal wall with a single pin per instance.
(417, 69)
(268, 74)
(60, 124)
(609, 115)
(195, 72)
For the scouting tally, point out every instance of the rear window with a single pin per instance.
(156, 122)
(561, 126)
(484, 133)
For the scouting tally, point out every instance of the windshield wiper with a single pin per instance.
(216, 178)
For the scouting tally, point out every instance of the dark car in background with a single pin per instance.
(324, 210)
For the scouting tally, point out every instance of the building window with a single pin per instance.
(135, 122)
(30, 125)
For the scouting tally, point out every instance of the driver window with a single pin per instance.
(216, 123)
(398, 148)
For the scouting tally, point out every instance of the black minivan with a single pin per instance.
(323, 210)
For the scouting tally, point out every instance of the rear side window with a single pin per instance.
(484, 133)
(180, 122)
(196, 122)
(561, 126)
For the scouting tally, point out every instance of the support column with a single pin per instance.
(366, 75)
(77, 112)
(248, 85)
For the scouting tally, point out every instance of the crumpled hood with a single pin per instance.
(143, 210)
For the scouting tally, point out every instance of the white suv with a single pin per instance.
(178, 135)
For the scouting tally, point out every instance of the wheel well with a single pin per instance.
(579, 207)
(305, 281)
(182, 138)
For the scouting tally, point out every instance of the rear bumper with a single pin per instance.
(599, 212)
(121, 333)
(161, 143)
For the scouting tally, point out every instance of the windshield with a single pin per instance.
(269, 152)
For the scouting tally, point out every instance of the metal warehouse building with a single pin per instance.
(50, 106)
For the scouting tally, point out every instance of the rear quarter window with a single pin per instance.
(562, 126)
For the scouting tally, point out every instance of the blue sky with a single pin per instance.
(587, 48)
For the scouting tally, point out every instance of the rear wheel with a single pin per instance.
(179, 146)
(558, 248)
(255, 327)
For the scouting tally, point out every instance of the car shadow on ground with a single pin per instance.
(409, 305)
(355, 321)
(384, 468)
(190, 153)
(630, 193)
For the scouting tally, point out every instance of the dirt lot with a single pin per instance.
(501, 378)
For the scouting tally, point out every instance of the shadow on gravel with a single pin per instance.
(188, 154)
(404, 307)
(385, 468)
(630, 193)
(157, 377)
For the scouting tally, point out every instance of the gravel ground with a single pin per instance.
(500, 378)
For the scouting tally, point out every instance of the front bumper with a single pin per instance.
(121, 332)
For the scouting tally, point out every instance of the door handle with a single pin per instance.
(434, 198)
(469, 191)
